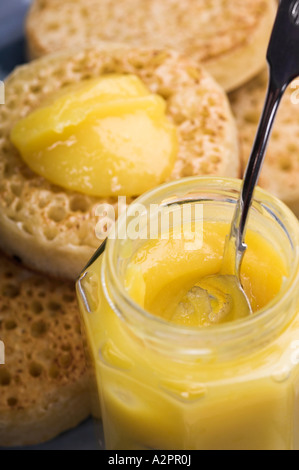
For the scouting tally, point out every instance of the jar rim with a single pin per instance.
(263, 318)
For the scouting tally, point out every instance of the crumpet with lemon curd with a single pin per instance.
(49, 225)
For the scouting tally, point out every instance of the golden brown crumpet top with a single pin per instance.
(280, 174)
(44, 382)
(229, 36)
(53, 230)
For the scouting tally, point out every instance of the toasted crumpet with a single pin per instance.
(44, 382)
(280, 174)
(230, 38)
(51, 229)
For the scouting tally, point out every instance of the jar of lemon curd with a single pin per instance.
(169, 378)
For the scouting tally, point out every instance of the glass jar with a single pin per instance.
(233, 386)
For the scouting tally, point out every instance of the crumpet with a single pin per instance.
(44, 384)
(229, 38)
(280, 172)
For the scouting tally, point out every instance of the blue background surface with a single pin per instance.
(12, 43)
(12, 54)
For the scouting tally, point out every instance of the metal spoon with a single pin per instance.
(283, 60)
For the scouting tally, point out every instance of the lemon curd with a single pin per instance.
(166, 279)
(172, 374)
(103, 137)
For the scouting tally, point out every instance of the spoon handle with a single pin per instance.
(283, 59)
(253, 170)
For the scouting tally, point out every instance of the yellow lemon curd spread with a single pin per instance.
(177, 285)
(102, 137)
(175, 375)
